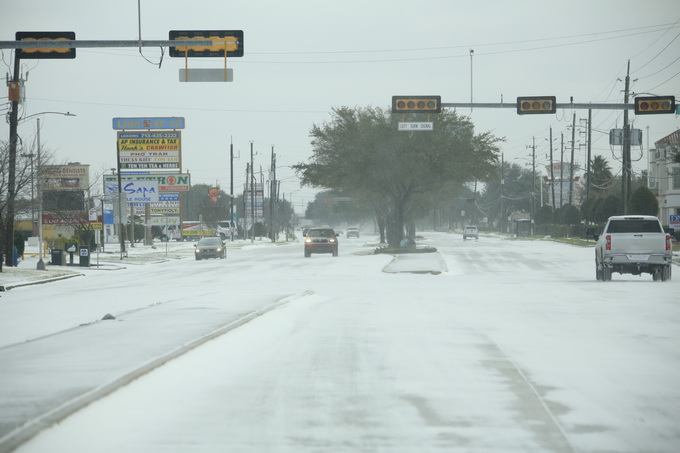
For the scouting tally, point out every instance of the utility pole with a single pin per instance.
(41, 264)
(561, 168)
(15, 94)
(121, 222)
(502, 219)
(590, 132)
(245, 201)
(252, 196)
(533, 183)
(571, 165)
(626, 179)
(272, 196)
(231, 186)
(552, 171)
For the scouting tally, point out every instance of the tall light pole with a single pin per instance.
(41, 263)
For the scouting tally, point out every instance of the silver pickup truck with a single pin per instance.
(633, 244)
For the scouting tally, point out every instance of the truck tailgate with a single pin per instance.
(638, 243)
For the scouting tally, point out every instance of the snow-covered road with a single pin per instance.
(513, 347)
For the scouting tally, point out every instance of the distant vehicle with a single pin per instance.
(633, 245)
(321, 240)
(171, 233)
(194, 229)
(352, 232)
(305, 229)
(226, 228)
(211, 247)
(470, 231)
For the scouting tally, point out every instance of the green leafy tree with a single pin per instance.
(544, 215)
(586, 206)
(199, 205)
(518, 186)
(643, 201)
(610, 206)
(594, 211)
(570, 215)
(361, 153)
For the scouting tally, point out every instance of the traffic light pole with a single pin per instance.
(75, 43)
(565, 105)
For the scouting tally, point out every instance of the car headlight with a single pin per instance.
(219, 249)
(308, 239)
(197, 251)
(331, 240)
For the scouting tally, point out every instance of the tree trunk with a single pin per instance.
(395, 224)
(380, 219)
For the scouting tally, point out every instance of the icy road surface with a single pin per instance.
(513, 347)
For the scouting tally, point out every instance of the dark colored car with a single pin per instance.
(321, 240)
(211, 247)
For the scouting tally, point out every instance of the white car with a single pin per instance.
(352, 232)
(470, 231)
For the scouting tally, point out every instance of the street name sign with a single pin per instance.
(420, 126)
(206, 75)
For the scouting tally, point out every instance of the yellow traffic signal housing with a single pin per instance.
(654, 104)
(530, 105)
(417, 104)
(230, 41)
(54, 52)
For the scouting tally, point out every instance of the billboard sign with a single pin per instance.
(178, 182)
(66, 177)
(136, 191)
(149, 150)
(122, 124)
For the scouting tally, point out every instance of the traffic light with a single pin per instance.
(233, 49)
(536, 105)
(655, 104)
(29, 53)
(418, 104)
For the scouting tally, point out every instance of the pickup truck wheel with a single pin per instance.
(598, 274)
(606, 274)
(666, 273)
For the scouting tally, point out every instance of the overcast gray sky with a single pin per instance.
(304, 57)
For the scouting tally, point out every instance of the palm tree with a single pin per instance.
(602, 177)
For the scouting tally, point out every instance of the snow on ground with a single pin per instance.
(514, 346)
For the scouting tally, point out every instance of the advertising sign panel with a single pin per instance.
(148, 123)
(66, 177)
(178, 182)
(149, 150)
(144, 191)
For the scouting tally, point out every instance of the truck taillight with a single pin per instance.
(668, 242)
(609, 242)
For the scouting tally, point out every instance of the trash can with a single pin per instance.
(84, 252)
(57, 257)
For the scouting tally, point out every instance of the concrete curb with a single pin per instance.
(39, 282)
(20, 435)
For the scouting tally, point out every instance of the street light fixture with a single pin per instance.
(41, 263)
